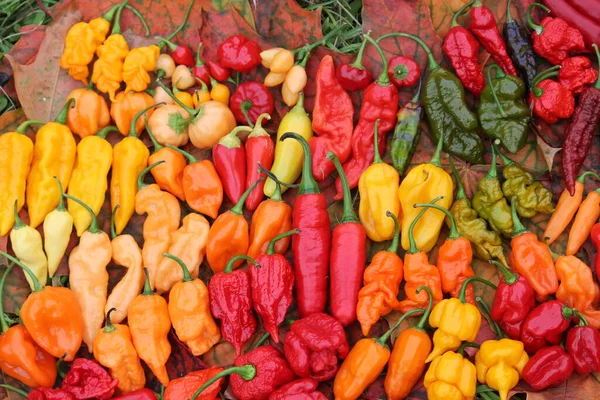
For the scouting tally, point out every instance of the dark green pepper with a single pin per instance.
(490, 203)
(447, 112)
(502, 111)
(518, 44)
(532, 196)
(406, 133)
(487, 244)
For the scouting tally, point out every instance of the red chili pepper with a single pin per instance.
(587, 22)
(484, 26)
(186, 386)
(231, 302)
(595, 237)
(182, 55)
(331, 121)
(200, 70)
(218, 71)
(313, 346)
(583, 345)
(250, 100)
(579, 133)
(380, 101)
(229, 156)
(142, 394)
(545, 325)
(310, 247)
(549, 99)
(260, 150)
(549, 367)
(239, 53)
(88, 380)
(301, 389)
(513, 300)
(461, 47)
(43, 393)
(404, 71)
(576, 73)
(272, 281)
(355, 76)
(346, 267)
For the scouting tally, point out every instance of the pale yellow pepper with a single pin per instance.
(58, 225)
(27, 244)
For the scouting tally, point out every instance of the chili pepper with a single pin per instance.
(451, 373)
(310, 248)
(582, 16)
(125, 252)
(545, 324)
(407, 361)
(182, 54)
(576, 73)
(313, 346)
(200, 69)
(49, 394)
(403, 71)
(218, 71)
(287, 164)
(549, 99)
(114, 349)
(461, 47)
(354, 76)
(142, 394)
(486, 243)
(184, 97)
(595, 237)
(260, 151)
(490, 203)
(53, 155)
(502, 112)
(364, 363)
(51, 316)
(20, 357)
(182, 79)
(532, 196)
(169, 123)
(27, 245)
(58, 225)
(229, 156)
(294, 82)
(88, 380)
(583, 345)
(421, 185)
(454, 259)
(586, 217)
(126, 106)
(446, 110)
(220, 92)
(553, 38)
(579, 133)
(165, 66)
(406, 133)
(239, 53)
(419, 272)
(513, 300)
(304, 388)
(187, 243)
(518, 44)
(332, 120)
(89, 113)
(149, 323)
(380, 102)
(201, 185)
(549, 367)
(249, 101)
(201, 95)
(186, 386)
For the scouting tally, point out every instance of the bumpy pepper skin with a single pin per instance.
(136, 66)
(303, 388)
(576, 73)
(549, 367)
(450, 376)
(532, 196)
(551, 101)
(583, 345)
(80, 45)
(108, 68)
(406, 133)
(545, 324)
(554, 39)
(186, 386)
(27, 245)
(239, 53)
(89, 114)
(88, 380)
(499, 364)
(126, 106)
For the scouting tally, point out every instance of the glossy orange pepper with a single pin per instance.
(201, 184)
(90, 113)
(149, 324)
(228, 235)
(187, 243)
(578, 289)
(186, 386)
(126, 106)
(113, 348)
(169, 174)
(52, 317)
(587, 216)
(163, 218)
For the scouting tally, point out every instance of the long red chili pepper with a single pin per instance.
(595, 236)
(260, 150)
(346, 267)
(229, 156)
(310, 248)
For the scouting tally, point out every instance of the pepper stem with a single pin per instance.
(487, 314)
(376, 155)
(384, 79)
(238, 209)
(383, 339)
(104, 131)
(3, 323)
(549, 73)
(186, 273)
(308, 185)
(258, 130)
(568, 312)
(117, 22)
(277, 194)
(166, 41)
(582, 177)
(244, 107)
(435, 160)
(509, 17)
(271, 248)
(463, 289)
(413, 244)
(509, 276)
(348, 215)
(582, 319)
(464, 345)
(359, 56)
(23, 127)
(199, 61)
(62, 115)
(169, 93)
(138, 115)
(396, 239)
(18, 223)
(595, 46)
(110, 14)
(453, 230)
(505, 160)
(157, 146)
(231, 140)
(61, 202)
(94, 225)
(493, 172)
(142, 175)
(37, 286)
(147, 287)
(14, 389)
(460, 192)
(191, 159)
(247, 372)
(518, 227)
(433, 65)
(229, 267)
(492, 90)
(108, 325)
(460, 12)
(537, 28)
(113, 231)
(421, 324)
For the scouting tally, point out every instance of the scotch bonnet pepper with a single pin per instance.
(583, 345)
(249, 101)
(545, 325)
(549, 367)
(239, 53)
(451, 373)
(549, 99)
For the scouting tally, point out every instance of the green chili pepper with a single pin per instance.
(406, 133)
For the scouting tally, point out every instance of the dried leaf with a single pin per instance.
(442, 12)
(287, 24)
(548, 152)
(576, 388)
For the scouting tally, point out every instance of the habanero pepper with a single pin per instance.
(58, 226)
(518, 44)
(260, 151)
(406, 133)
(305, 388)
(169, 123)
(126, 106)
(239, 53)
(354, 77)
(576, 72)
(550, 100)
(169, 173)
(89, 113)
(249, 101)
(586, 217)
(229, 157)
(595, 238)
(404, 71)
(88, 380)
(545, 325)
(583, 345)
(311, 247)
(549, 367)
(451, 373)
(186, 386)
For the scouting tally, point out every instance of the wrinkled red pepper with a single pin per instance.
(314, 345)
(250, 100)
(186, 386)
(583, 345)
(239, 53)
(260, 150)
(355, 76)
(301, 389)
(404, 71)
(595, 237)
(576, 73)
(200, 69)
(218, 71)
(43, 393)
(229, 157)
(142, 394)
(549, 99)
(88, 380)
(182, 55)
(549, 367)
(545, 325)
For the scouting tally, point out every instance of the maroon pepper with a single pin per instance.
(88, 380)
(239, 53)
(301, 389)
(549, 367)
(231, 302)
(229, 156)
(545, 325)
(513, 300)
(217, 71)
(250, 100)
(583, 345)
(355, 76)
(182, 55)
(310, 248)
(404, 71)
(260, 151)
(346, 267)
(200, 70)
(142, 394)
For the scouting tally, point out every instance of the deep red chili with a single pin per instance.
(142, 394)
(587, 22)
(200, 69)
(229, 156)
(549, 367)
(310, 248)
(239, 53)
(549, 99)
(576, 73)
(595, 237)
(545, 325)
(404, 71)
(250, 100)
(355, 76)
(300, 389)
(218, 71)
(43, 393)
(182, 55)
(583, 345)
(88, 380)
(260, 150)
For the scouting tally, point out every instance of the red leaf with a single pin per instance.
(288, 24)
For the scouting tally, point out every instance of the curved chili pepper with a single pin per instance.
(545, 324)
(249, 101)
(354, 77)
(518, 43)
(27, 245)
(218, 71)
(407, 133)
(260, 151)
(229, 156)
(57, 227)
(586, 217)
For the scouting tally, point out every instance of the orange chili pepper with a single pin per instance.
(163, 217)
(586, 217)
(114, 349)
(169, 174)
(187, 243)
(52, 316)
(532, 258)
(201, 184)
(378, 296)
(149, 323)
(228, 235)
(89, 115)
(125, 252)
(186, 386)
(126, 106)
(419, 272)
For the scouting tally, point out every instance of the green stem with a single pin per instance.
(505, 160)
(383, 339)
(308, 185)
(499, 74)
(258, 130)
(348, 215)
(464, 345)
(595, 46)
(358, 62)
(117, 22)
(549, 73)
(509, 17)
(463, 289)
(262, 339)
(18, 223)
(140, 17)
(37, 286)
(460, 12)
(229, 267)
(247, 372)
(169, 93)
(105, 131)
(582, 319)
(384, 79)
(61, 201)
(108, 325)
(157, 146)
(142, 175)
(62, 115)
(138, 115)
(493, 172)
(582, 177)
(537, 28)
(245, 106)
(231, 140)
(113, 231)
(3, 324)
(238, 209)
(94, 225)
(110, 14)
(453, 230)
(518, 227)
(278, 184)
(568, 312)
(487, 314)
(186, 273)
(509, 276)
(413, 244)
(199, 61)
(376, 156)
(460, 192)
(435, 160)
(271, 248)
(191, 159)
(166, 41)
(185, 19)
(433, 65)
(23, 127)
(396, 239)
(147, 287)
(421, 324)
(14, 389)
(324, 39)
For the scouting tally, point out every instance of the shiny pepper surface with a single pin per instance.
(551, 101)
(126, 106)
(57, 227)
(576, 72)
(89, 114)
(260, 150)
(169, 174)
(136, 66)
(545, 325)
(500, 363)
(305, 389)
(88, 380)
(229, 156)
(26, 243)
(549, 367)
(239, 53)
(406, 133)
(518, 43)
(583, 345)
(314, 345)
(186, 386)
(450, 376)
(43, 393)
(249, 101)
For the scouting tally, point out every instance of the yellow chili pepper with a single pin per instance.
(273, 79)
(282, 61)
(450, 377)
(219, 92)
(499, 364)
(136, 66)
(53, 155)
(378, 188)
(57, 233)
(201, 95)
(267, 56)
(421, 185)
(294, 83)
(27, 244)
(184, 97)
(289, 155)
